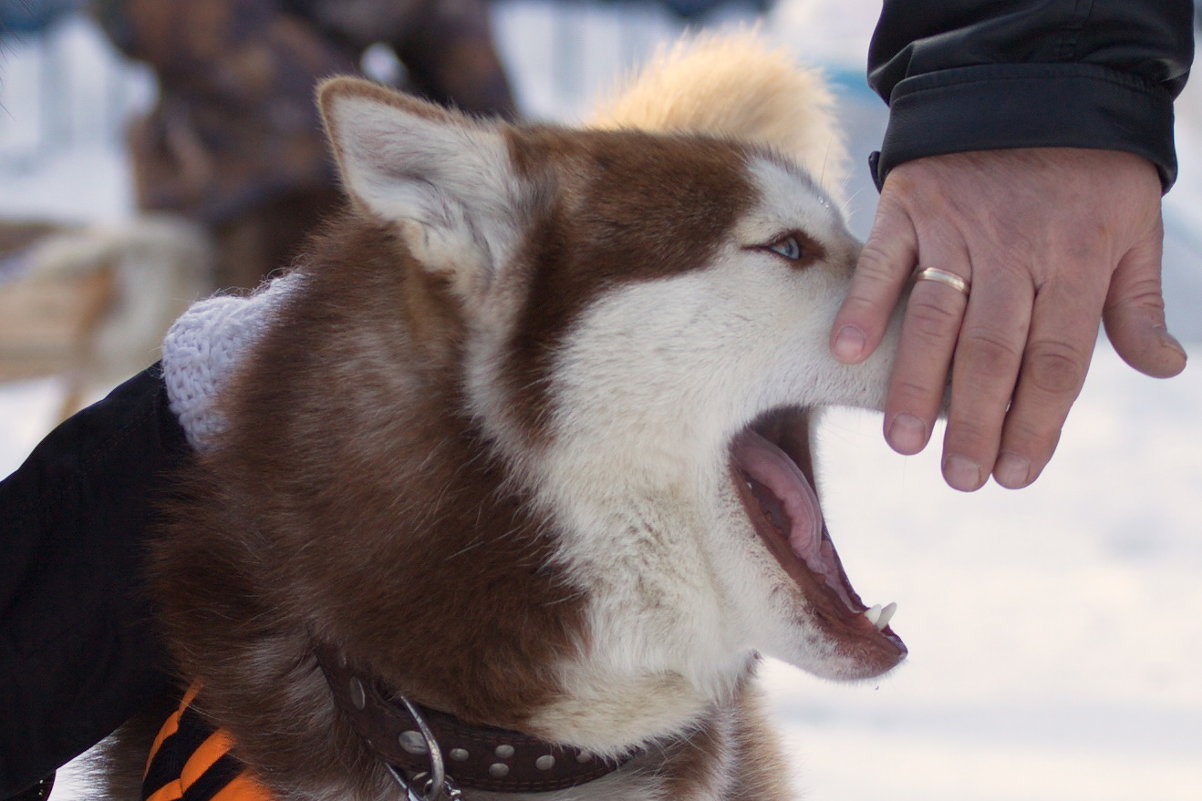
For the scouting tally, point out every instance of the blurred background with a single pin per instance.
(1055, 632)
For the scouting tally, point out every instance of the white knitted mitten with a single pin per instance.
(204, 346)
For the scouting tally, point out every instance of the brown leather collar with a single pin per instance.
(422, 743)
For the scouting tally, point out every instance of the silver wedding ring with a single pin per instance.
(943, 277)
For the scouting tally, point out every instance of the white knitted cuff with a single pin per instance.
(206, 344)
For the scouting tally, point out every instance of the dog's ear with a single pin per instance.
(443, 178)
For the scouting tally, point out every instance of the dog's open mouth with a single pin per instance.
(774, 478)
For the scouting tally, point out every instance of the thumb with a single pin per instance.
(1134, 314)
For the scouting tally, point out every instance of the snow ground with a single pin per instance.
(1055, 632)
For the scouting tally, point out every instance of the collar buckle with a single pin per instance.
(431, 791)
(415, 742)
(435, 779)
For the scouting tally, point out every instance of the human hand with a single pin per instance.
(1052, 240)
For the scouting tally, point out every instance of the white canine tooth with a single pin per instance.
(886, 615)
(873, 614)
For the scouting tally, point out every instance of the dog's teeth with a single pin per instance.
(880, 616)
(886, 615)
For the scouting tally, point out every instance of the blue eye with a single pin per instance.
(788, 247)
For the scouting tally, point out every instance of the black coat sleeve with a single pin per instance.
(964, 75)
(78, 654)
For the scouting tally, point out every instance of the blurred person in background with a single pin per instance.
(235, 142)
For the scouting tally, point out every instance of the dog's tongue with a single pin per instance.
(769, 466)
(788, 500)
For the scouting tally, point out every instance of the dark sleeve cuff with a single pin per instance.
(79, 652)
(994, 107)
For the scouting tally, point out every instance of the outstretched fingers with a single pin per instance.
(1051, 239)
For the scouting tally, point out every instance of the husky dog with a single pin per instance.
(515, 486)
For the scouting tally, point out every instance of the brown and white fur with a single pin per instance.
(498, 447)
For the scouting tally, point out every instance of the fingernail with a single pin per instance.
(849, 344)
(962, 473)
(907, 434)
(1012, 471)
(1167, 340)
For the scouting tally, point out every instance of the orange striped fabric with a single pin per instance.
(191, 761)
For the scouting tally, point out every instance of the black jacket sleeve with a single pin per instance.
(78, 654)
(964, 75)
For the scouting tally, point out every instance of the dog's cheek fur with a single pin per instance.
(632, 207)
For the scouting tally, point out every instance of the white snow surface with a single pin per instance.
(1055, 632)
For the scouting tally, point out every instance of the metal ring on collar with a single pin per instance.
(942, 276)
(436, 780)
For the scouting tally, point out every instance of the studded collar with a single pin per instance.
(431, 750)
